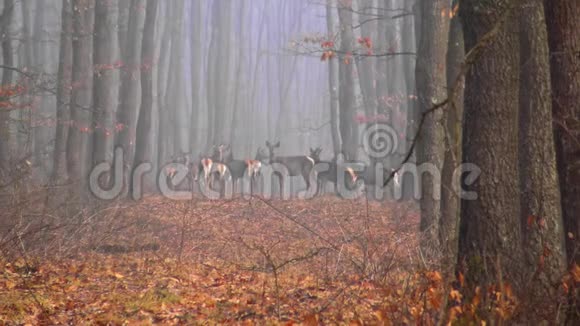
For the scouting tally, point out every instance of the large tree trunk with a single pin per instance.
(348, 128)
(543, 230)
(63, 92)
(105, 77)
(144, 145)
(333, 81)
(450, 191)
(7, 60)
(490, 242)
(564, 40)
(430, 75)
(82, 76)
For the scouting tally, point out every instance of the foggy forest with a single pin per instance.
(314, 162)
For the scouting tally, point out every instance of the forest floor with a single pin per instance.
(319, 261)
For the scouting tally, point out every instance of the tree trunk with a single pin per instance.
(540, 193)
(7, 60)
(196, 71)
(450, 191)
(564, 40)
(382, 90)
(367, 67)
(348, 128)
(26, 59)
(63, 92)
(105, 77)
(238, 107)
(162, 72)
(430, 75)
(38, 131)
(130, 82)
(333, 81)
(144, 146)
(490, 242)
(222, 70)
(123, 29)
(82, 76)
(175, 85)
(211, 76)
(414, 114)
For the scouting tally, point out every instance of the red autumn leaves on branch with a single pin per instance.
(329, 52)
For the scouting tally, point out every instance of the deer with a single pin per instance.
(238, 168)
(331, 174)
(182, 158)
(296, 165)
(211, 168)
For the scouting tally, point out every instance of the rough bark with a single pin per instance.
(431, 75)
(490, 242)
(541, 213)
(82, 75)
(564, 41)
(63, 92)
(105, 76)
(450, 191)
(348, 128)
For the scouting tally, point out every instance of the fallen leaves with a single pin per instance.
(230, 262)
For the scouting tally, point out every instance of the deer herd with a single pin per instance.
(219, 166)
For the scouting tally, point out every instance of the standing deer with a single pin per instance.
(296, 165)
(238, 168)
(170, 172)
(331, 174)
(211, 169)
